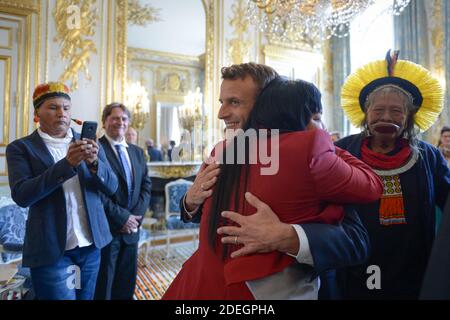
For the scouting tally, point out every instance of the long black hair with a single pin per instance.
(284, 105)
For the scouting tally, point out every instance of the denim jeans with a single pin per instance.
(72, 277)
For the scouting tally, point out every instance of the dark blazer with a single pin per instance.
(36, 182)
(154, 154)
(116, 205)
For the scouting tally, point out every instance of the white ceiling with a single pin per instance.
(182, 29)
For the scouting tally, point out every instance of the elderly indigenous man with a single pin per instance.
(319, 246)
(125, 209)
(60, 178)
(391, 99)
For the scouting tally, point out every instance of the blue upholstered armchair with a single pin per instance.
(12, 230)
(174, 192)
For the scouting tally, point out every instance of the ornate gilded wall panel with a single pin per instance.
(120, 77)
(239, 46)
(75, 40)
(5, 66)
(18, 39)
(141, 15)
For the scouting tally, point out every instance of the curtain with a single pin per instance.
(411, 33)
(166, 126)
(446, 9)
(340, 48)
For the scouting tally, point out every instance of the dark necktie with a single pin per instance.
(126, 168)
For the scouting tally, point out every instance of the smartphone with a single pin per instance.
(89, 130)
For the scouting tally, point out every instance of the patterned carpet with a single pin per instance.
(155, 275)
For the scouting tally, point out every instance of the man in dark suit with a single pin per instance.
(125, 209)
(60, 178)
(153, 153)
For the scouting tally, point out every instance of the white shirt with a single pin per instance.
(122, 143)
(78, 230)
(292, 283)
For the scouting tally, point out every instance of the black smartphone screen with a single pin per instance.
(89, 130)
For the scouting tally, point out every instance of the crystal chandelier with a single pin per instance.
(310, 20)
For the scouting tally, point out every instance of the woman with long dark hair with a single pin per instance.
(309, 173)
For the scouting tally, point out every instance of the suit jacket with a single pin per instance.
(36, 182)
(154, 154)
(116, 204)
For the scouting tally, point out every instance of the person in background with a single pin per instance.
(153, 153)
(60, 178)
(444, 143)
(169, 151)
(131, 135)
(125, 209)
(391, 99)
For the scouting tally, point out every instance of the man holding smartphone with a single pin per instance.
(125, 209)
(59, 177)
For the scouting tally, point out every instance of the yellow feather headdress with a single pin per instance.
(427, 93)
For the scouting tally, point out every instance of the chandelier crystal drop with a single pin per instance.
(310, 20)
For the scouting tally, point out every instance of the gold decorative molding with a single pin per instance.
(25, 13)
(120, 71)
(139, 54)
(209, 57)
(76, 45)
(142, 15)
(173, 80)
(21, 4)
(173, 170)
(239, 47)
(6, 99)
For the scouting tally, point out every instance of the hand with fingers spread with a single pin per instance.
(78, 151)
(202, 187)
(260, 232)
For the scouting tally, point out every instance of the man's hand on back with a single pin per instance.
(259, 232)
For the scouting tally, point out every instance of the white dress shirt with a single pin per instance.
(123, 144)
(292, 283)
(78, 230)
